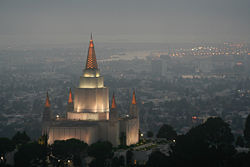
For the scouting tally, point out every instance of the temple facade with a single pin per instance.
(88, 116)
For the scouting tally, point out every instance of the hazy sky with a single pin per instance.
(71, 21)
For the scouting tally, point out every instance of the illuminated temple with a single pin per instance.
(89, 117)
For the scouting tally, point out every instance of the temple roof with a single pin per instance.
(70, 96)
(47, 102)
(113, 102)
(133, 98)
(91, 62)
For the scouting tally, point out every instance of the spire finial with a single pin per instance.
(133, 98)
(91, 62)
(113, 101)
(47, 102)
(70, 97)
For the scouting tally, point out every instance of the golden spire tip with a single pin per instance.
(133, 98)
(113, 101)
(47, 102)
(70, 96)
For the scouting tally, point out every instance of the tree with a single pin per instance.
(115, 162)
(217, 132)
(240, 141)
(20, 138)
(167, 132)
(71, 149)
(210, 144)
(247, 130)
(239, 160)
(6, 145)
(150, 134)
(31, 154)
(118, 161)
(129, 157)
(158, 159)
(101, 151)
(121, 160)
(43, 140)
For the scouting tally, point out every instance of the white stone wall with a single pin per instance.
(113, 132)
(91, 100)
(91, 82)
(87, 116)
(102, 130)
(132, 130)
(87, 134)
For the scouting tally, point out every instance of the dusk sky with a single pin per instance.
(72, 21)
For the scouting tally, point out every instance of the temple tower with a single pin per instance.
(89, 117)
(70, 106)
(47, 116)
(91, 100)
(113, 115)
(113, 125)
(133, 110)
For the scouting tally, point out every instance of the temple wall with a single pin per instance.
(91, 82)
(87, 134)
(87, 116)
(92, 132)
(103, 130)
(113, 132)
(131, 129)
(133, 111)
(45, 128)
(91, 100)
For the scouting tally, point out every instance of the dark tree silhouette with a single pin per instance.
(210, 144)
(167, 132)
(118, 161)
(31, 154)
(150, 134)
(240, 141)
(101, 151)
(71, 149)
(20, 138)
(247, 130)
(158, 159)
(6, 145)
(129, 157)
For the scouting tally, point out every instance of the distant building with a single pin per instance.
(156, 68)
(89, 117)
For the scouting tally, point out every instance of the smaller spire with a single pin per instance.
(133, 98)
(91, 37)
(47, 103)
(113, 102)
(70, 97)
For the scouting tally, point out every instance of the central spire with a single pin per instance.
(91, 62)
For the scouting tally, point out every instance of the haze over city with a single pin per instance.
(144, 21)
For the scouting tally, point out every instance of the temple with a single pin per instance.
(88, 116)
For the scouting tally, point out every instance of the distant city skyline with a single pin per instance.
(159, 21)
